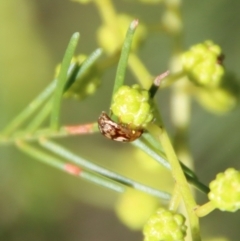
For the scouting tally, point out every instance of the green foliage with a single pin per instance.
(196, 73)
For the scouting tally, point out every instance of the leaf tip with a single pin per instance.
(134, 24)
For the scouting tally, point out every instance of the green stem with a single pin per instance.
(62, 132)
(140, 71)
(91, 59)
(123, 61)
(152, 153)
(171, 79)
(158, 155)
(156, 83)
(175, 200)
(33, 106)
(107, 13)
(205, 209)
(80, 69)
(40, 117)
(196, 183)
(180, 179)
(88, 63)
(61, 81)
(69, 168)
(63, 152)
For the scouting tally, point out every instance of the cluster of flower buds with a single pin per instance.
(165, 225)
(225, 190)
(203, 64)
(80, 87)
(216, 89)
(132, 105)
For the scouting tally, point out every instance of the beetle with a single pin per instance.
(117, 131)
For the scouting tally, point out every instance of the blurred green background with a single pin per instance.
(38, 202)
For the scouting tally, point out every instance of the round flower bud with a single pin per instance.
(111, 40)
(221, 99)
(84, 85)
(165, 225)
(217, 100)
(225, 190)
(202, 64)
(133, 208)
(171, 21)
(132, 105)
